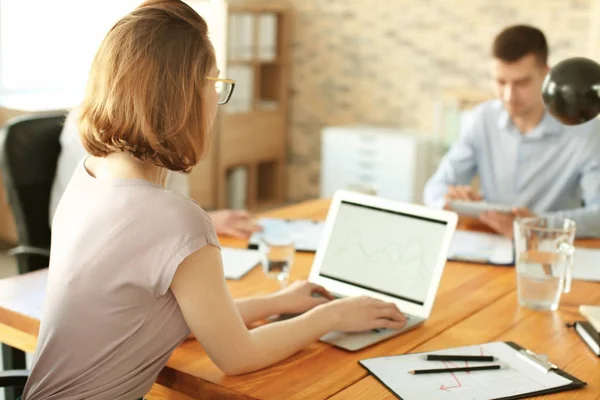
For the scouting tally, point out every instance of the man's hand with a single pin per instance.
(298, 297)
(503, 222)
(234, 223)
(465, 193)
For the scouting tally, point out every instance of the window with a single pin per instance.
(46, 47)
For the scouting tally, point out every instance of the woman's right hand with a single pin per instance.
(356, 314)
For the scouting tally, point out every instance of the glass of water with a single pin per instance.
(278, 256)
(544, 260)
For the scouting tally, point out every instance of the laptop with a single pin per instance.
(384, 249)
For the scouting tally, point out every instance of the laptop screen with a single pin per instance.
(384, 251)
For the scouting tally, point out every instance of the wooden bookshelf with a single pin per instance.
(251, 130)
(254, 136)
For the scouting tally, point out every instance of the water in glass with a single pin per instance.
(278, 258)
(539, 280)
(544, 260)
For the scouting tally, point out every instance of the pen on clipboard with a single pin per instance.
(455, 357)
(460, 369)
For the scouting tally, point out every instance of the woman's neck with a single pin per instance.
(124, 166)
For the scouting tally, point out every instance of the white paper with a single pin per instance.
(519, 377)
(587, 264)
(305, 233)
(481, 247)
(238, 262)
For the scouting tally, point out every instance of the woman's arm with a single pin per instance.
(215, 320)
(253, 309)
(296, 298)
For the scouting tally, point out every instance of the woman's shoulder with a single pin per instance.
(178, 212)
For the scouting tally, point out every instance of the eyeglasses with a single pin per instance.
(224, 88)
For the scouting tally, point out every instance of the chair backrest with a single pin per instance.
(29, 150)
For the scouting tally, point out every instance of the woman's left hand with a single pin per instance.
(302, 296)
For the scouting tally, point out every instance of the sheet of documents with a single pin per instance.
(305, 233)
(481, 247)
(587, 264)
(238, 262)
(520, 376)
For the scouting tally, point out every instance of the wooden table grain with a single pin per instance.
(475, 304)
(503, 320)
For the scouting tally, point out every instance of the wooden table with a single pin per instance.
(475, 304)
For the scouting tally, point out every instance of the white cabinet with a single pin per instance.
(388, 162)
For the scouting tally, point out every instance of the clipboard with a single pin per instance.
(536, 361)
(575, 383)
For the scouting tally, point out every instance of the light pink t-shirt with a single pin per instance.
(110, 321)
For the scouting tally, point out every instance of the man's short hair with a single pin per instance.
(517, 41)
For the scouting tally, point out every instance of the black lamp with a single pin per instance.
(571, 90)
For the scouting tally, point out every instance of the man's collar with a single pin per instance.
(548, 125)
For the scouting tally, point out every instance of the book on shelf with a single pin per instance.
(240, 36)
(267, 37)
(241, 100)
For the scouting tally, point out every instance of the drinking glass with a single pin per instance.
(544, 260)
(278, 256)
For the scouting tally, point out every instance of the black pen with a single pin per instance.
(446, 370)
(444, 357)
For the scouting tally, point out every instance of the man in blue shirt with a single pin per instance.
(524, 157)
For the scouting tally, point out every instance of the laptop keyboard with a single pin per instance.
(409, 318)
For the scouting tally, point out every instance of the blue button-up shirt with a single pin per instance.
(552, 170)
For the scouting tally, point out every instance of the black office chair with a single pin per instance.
(14, 379)
(29, 150)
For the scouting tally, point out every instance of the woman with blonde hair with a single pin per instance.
(135, 267)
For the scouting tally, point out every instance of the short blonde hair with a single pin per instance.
(145, 90)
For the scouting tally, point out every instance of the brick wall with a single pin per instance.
(387, 61)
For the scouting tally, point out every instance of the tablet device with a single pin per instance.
(476, 208)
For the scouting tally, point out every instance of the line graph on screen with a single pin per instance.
(405, 256)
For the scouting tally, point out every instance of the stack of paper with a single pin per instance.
(495, 249)
(306, 234)
(238, 262)
(587, 264)
(481, 247)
